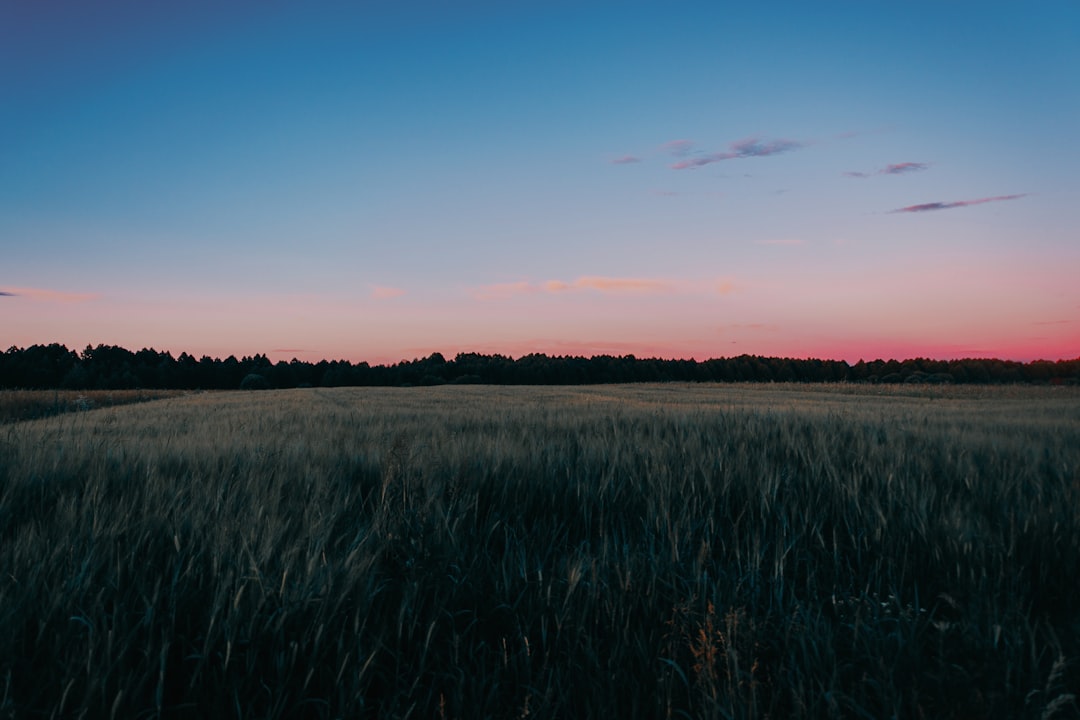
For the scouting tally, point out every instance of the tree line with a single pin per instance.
(112, 367)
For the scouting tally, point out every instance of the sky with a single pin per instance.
(376, 181)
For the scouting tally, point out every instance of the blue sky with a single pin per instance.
(381, 180)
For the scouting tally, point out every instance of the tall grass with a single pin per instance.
(472, 552)
(18, 405)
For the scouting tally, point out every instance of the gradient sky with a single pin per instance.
(379, 180)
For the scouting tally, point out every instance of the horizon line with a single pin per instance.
(512, 358)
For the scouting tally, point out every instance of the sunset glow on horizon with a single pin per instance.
(379, 181)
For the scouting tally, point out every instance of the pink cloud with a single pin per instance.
(622, 285)
(502, 291)
(926, 207)
(625, 160)
(724, 287)
(586, 282)
(604, 286)
(747, 148)
(380, 292)
(556, 286)
(53, 296)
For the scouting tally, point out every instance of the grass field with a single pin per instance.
(674, 551)
(18, 405)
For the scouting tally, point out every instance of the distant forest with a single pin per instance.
(107, 367)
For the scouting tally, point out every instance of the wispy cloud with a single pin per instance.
(724, 287)
(602, 285)
(748, 148)
(380, 292)
(904, 167)
(927, 207)
(619, 285)
(678, 148)
(895, 169)
(626, 160)
(608, 285)
(502, 291)
(54, 296)
(1052, 322)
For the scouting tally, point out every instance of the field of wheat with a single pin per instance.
(18, 405)
(656, 551)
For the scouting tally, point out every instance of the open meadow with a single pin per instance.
(652, 551)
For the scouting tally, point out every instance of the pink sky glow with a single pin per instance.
(787, 315)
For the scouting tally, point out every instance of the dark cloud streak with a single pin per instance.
(927, 207)
(895, 169)
(748, 148)
(904, 167)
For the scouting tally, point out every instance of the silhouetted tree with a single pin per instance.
(108, 366)
(254, 381)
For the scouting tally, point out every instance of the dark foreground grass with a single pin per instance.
(665, 551)
(16, 405)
